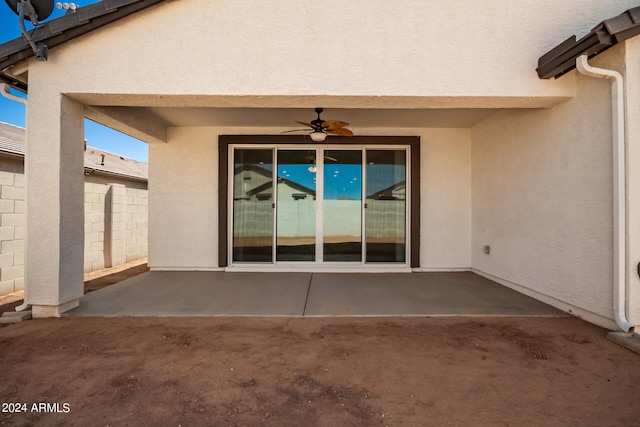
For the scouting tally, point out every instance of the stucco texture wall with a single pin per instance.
(482, 53)
(542, 199)
(183, 200)
(184, 197)
(445, 169)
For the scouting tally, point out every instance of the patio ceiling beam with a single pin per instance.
(136, 122)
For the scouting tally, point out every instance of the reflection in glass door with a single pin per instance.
(253, 205)
(342, 205)
(296, 206)
(386, 206)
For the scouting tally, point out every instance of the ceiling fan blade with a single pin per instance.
(304, 123)
(334, 124)
(340, 131)
(295, 130)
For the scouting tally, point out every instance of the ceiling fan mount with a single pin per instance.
(317, 123)
(320, 128)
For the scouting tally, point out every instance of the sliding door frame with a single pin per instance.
(225, 141)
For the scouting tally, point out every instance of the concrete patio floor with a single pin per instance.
(158, 293)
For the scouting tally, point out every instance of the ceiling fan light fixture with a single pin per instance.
(318, 136)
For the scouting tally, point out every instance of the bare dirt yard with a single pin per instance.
(233, 371)
(315, 371)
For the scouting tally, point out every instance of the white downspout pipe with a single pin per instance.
(12, 97)
(619, 188)
(4, 90)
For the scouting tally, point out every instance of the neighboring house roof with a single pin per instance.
(11, 139)
(58, 31)
(115, 164)
(267, 173)
(562, 58)
(296, 186)
(12, 142)
(389, 193)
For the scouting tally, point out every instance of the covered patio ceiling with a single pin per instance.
(285, 117)
(147, 116)
(149, 123)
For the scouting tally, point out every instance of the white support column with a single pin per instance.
(54, 172)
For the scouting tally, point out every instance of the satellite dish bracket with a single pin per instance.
(26, 10)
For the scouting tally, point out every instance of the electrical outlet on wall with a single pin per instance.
(487, 249)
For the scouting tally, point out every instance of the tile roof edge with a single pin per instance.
(561, 59)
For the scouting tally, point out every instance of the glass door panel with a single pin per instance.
(385, 213)
(301, 220)
(342, 205)
(253, 205)
(296, 206)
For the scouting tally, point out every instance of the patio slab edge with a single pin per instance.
(630, 341)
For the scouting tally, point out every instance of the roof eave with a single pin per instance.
(103, 172)
(11, 154)
(66, 28)
(562, 58)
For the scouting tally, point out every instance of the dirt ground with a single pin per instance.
(256, 371)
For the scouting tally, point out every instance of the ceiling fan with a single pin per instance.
(320, 129)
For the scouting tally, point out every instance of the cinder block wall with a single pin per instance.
(115, 226)
(136, 228)
(94, 217)
(11, 232)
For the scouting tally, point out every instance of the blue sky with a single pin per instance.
(97, 135)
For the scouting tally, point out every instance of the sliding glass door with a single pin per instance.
(252, 205)
(296, 206)
(342, 205)
(332, 205)
(386, 206)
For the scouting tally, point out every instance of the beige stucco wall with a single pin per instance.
(183, 212)
(542, 199)
(183, 200)
(445, 217)
(439, 53)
